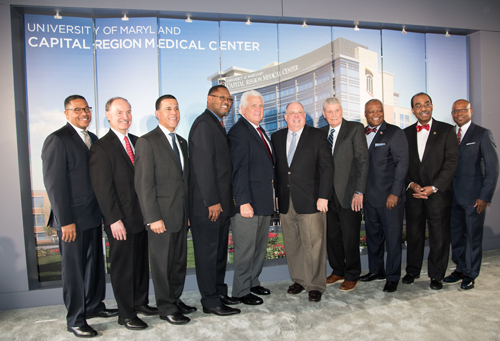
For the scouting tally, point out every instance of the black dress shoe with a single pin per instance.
(228, 300)
(260, 290)
(314, 296)
(146, 310)
(175, 318)
(371, 277)
(185, 309)
(409, 278)
(455, 276)
(85, 331)
(295, 289)
(436, 285)
(467, 283)
(250, 299)
(133, 323)
(222, 310)
(390, 286)
(104, 313)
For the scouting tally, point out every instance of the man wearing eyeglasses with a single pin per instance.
(211, 201)
(474, 184)
(433, 161)
(76, 216)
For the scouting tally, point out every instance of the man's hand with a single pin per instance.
(481, 205)
(322, 205)
(68, 232)
(357, 202)
(158, 226)
(118, 230)
(246, 211)
(391, 202)
(214, 212)
(424, 192)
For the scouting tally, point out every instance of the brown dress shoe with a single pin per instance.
(333, 278)
(349, 285)
(295, 289)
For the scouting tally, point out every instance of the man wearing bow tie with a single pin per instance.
(433, 161)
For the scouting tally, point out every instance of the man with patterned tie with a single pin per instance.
(76, 216)
(161, 183)
(474, 184)
(350, 160)
(111, 168)
(304, 186)
(433, 158)
(253, 176)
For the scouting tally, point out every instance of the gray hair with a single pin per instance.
(246, 94)
(111, 100)
(331, 100)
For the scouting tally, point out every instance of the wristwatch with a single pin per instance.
(434, 189)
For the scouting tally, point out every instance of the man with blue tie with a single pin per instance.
(474, 184)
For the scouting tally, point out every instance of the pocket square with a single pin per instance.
(470, 143)
(379, 144)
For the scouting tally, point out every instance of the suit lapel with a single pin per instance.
(119, 146)
(300, 143)
(270, 144)
(167, 146)
(468, 135)
(256, 135)
(378, 136)
(341, 134)
(432, 138)
(412, 142)
(76, 136)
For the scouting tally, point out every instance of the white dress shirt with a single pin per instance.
(422, 137)
(169, 138)
(121, 137)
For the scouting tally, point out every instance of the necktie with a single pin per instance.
(176, 150)
(222, 123)
(265, 143)
(459, 136)
(291, 150)
(129, 150)
(426, 127)
(369, 130)
(330, 137)
(87, 139)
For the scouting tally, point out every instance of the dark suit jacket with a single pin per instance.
(438, 163)
(65, 159)
(211, 169)
(477, 172)
(112, 175)
(253, 169)
(161, 187)
(309, 177)
(350, 159)
(388, 165)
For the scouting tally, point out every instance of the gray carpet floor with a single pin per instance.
(414, 312)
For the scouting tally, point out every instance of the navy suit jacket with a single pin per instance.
(65, 159)
(477, 172)
(253, 169)
(388, 154)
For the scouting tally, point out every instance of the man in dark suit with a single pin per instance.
(304, 186)
(433, 160)
(161, 183)
(112, 173)
(211, 201)
(384, 198)
(474, 184)
(350, 158)
(76, 216)
(253, 175)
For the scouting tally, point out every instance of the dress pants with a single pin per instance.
(168, 257)
(82, 274)
(305, 247)
(210, 240)
(384, 229)
(250, 237)
(343, 227)
(467, 238)
(129, 271)
(438, 221)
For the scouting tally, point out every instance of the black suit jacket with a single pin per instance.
(161, 187)
(438, 164)
(388, 155)
(65, 159)
(211, 169)
(310, 175)
(253, 169)
(112, 175)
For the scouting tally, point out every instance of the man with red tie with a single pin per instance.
(433, 161)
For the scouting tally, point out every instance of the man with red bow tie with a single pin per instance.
(433, 160)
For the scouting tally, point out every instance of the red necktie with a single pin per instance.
(222, 122)
(368, 130)
(265, 143)
(426, 127)
(459, 136)
(129, 150)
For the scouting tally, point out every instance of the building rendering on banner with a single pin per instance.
(342, 68)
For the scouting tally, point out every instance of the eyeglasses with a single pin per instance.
(426, 105)
(79, 110)
(458, 111)
(222, 98)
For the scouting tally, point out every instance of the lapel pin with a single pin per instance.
(434, 133)
(381, 132)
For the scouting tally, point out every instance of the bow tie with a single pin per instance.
(426, 127)
(369, 130)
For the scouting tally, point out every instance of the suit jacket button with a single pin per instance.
(287, 185)
(289, 173)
